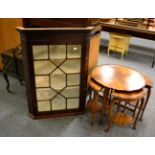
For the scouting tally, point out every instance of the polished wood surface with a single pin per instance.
(148, 81)
(129, 96)
(94, 85)
(118, 77)
(134, 102)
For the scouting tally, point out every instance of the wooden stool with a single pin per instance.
(92, 103)
(120, 117)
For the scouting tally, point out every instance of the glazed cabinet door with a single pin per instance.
(57, 70)
(56, 66)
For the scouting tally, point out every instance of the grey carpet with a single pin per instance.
(14, 120)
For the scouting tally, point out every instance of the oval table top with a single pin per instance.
(118, 77)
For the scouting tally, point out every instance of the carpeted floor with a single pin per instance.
(14, 120)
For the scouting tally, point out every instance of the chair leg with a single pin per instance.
(141, 105)
(7, 81)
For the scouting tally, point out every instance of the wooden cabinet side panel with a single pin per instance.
(94, 52)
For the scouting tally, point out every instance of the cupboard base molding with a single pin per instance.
(54, 115)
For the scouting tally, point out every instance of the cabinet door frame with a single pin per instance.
(30, 37)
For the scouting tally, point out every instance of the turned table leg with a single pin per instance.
(105, 99)
(146, 101)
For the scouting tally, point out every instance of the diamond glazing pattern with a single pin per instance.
(57, 76)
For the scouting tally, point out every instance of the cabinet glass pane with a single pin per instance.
(44, 106)
(73, 51)
(43, 67)
(42, 81)
(71, 66)
(57, 53)
(73, 79)
(58, 80)
(70, 92)
(45, 93)
(73, 103)
(58, 103)
(40, 52)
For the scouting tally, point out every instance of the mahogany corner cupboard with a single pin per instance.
(56, 66)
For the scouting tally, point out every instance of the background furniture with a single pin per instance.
(119, 43)
(57, 62)
(133, 31)
(9, 38)
(13, 65)
(136, 22)
(144, 33)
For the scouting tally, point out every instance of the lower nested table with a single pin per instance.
(117, 77)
